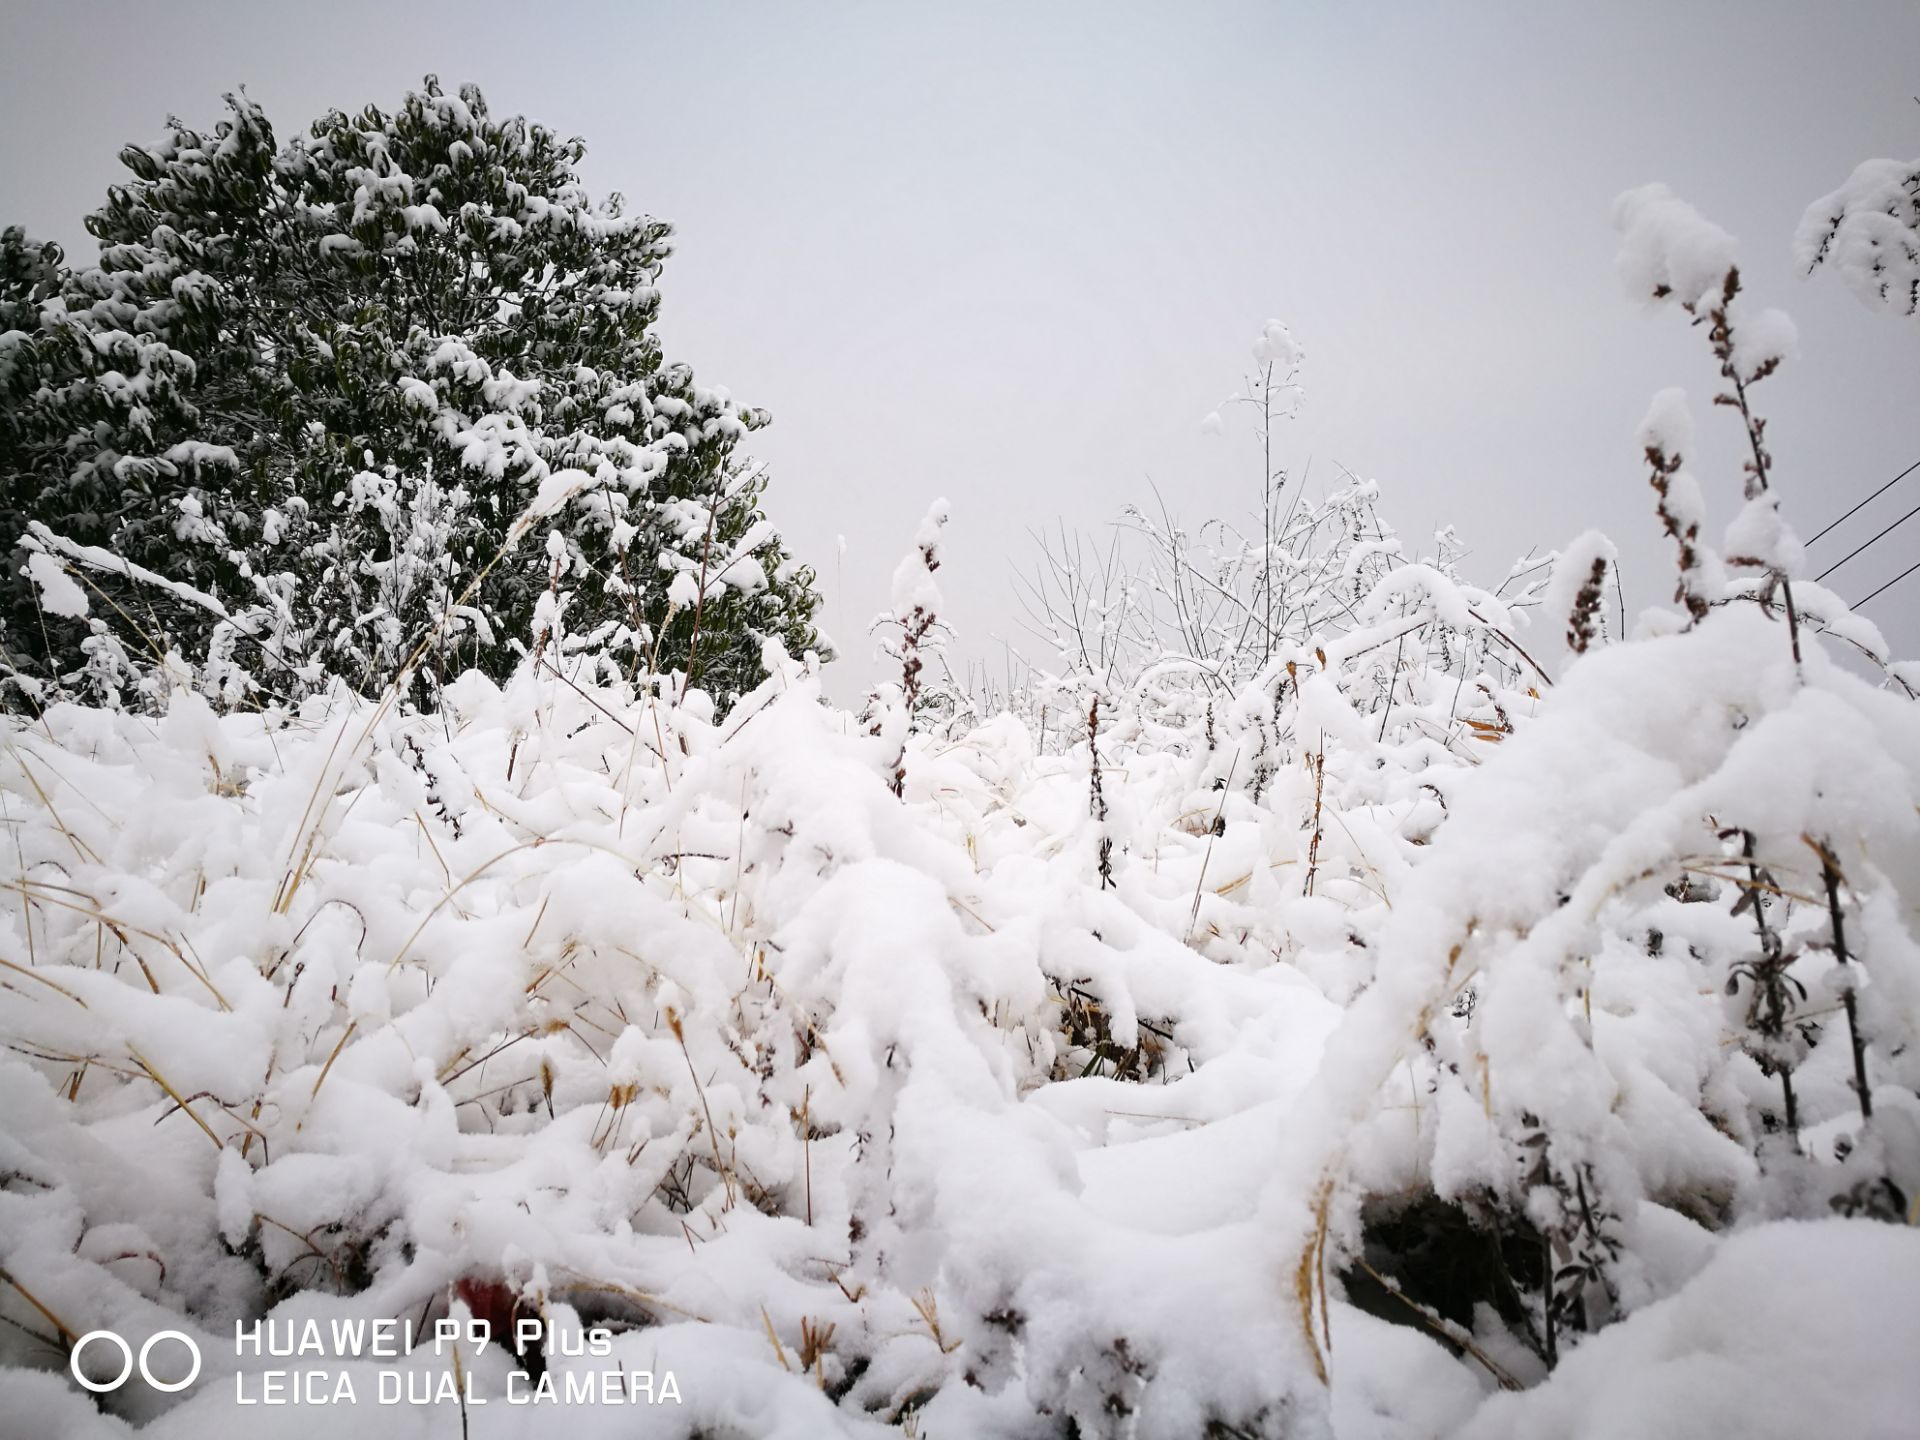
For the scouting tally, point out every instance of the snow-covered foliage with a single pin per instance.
(311, 384)
(1320, 1001)
(1869, 231)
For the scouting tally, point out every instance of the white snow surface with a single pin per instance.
(1732, 1353)
(692, 1026)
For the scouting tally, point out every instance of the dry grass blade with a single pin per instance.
(628, 1293)
(80, 847)
(475, 874)
(1307, 1284)
(327, 1069)
(175, 1096)
(774, 1340)
(67, 1333)
(1440, 1325)
(50, 984)
(713, 1134)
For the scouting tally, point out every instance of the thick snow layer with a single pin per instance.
(1669, 424)
(506, 993)
(1276, 346)
(59, 593)
(1782, 1336)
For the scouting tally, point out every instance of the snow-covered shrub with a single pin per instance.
(1656, 977)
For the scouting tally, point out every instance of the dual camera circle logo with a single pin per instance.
(127, 1361)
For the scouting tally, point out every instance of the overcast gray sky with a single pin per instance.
(1013, 254)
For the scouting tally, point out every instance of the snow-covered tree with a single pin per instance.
(316, 384)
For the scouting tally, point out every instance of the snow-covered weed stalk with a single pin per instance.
(912, 633)
(1665, 437)
(1097, 797)
(1744, 362)
(1274, 394)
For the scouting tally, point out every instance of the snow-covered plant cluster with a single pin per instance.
(1194, 637)
(1869, 231)
(1328, 998)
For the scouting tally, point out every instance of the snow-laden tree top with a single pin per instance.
(316, 381)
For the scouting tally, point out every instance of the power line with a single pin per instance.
(1890, 584)
(1870, 499)
(1857, 549)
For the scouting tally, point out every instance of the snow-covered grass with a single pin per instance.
(698, 1029)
